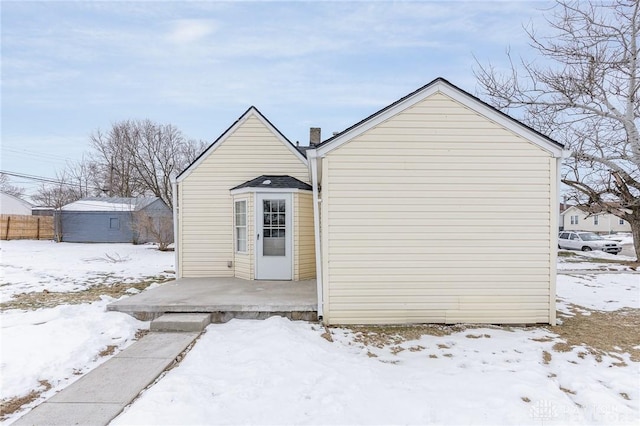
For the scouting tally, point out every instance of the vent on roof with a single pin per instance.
(267, 182)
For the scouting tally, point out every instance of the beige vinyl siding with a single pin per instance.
(437, 215)
(305, 250)
(206, 207)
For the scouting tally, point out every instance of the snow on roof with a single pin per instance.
(18, 199)
(104, 204)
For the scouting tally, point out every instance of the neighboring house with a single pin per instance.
(12, 205)
(576, 219)
(437, 208)
(111, 220)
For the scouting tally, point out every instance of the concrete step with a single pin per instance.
(180, 322)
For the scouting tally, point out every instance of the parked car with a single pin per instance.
(587, 241)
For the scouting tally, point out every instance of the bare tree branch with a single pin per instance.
(586, 94)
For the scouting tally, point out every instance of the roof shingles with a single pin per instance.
(279, 182)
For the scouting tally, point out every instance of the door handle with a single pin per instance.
(258, 236)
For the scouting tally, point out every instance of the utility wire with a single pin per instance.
(49, 180)
(31, 177)
(26, 152)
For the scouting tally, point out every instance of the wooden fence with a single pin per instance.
(19, 227)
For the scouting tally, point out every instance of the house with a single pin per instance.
(12, 205)
(437, 208)
(112, 220)
(575, 218)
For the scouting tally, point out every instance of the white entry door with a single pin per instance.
(273, 237)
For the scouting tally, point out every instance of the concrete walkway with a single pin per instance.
(101, 395)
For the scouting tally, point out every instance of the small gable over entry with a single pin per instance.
(274, 206)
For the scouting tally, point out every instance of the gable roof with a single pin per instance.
(251, 111)
(25, 203)
(270, 181)
(595, 210)
(443, 86)
(110, 204)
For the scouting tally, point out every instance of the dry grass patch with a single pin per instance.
(546, 357)
(109, 350)
(50, 299)
(602, 333)
(576, 257)
(141, 333)
(478, 336)
(566, 253)
(327, 334)
(397, 349)
(9, 406)
(391, 335)
(543, 339)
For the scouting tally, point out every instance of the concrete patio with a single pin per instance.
(224, 299)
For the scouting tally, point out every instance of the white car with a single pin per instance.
(587, 241)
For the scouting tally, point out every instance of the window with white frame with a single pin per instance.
(240, 211)
(621, 221)
(574, 220)
(596, 221)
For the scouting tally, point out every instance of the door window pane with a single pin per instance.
(274, 228)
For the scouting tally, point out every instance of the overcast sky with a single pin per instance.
(69, 68)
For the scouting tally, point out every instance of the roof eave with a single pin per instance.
(443, 86)
(252, 110)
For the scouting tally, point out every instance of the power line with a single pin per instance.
(36, 154)
(31, 177)
(49, 180)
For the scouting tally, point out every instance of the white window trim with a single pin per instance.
(235, 227)
(596, 220)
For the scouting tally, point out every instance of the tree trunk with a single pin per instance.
(634, 221)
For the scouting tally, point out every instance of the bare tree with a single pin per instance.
(157, 229)
(72, 184)
(139, 157)
(8, 188)
(112, 161)
(586, 94)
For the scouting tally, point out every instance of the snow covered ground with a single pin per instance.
(58, 345)
(30, 266)
(573, 259)
(45, 350)
(282, 372)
